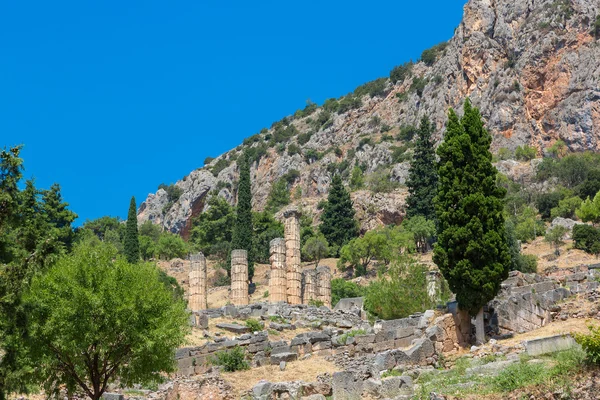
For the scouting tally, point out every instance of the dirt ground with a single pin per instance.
(306, 370)
(569, 257)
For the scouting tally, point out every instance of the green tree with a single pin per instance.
(131, 242)
(242, 237)
(315, 248)
(337, 221)
(214, 227)
(555, 236)
(525, 153)
(590, 210)
(95, 319)
(422, 175)
(566, 207)
(58, 216)
(422, 229)
(342, 289)
(357, 179)
(102, 225)
(399, 293)
(471, 250)
(266, 228)
(379, 245)
(171, 246)
(279, 195)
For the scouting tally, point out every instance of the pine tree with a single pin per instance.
(471, 251)
(58, 216)
(131, 239)
(422, 176)
(337, 221)
(243, 230)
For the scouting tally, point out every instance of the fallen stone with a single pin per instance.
(346, 387)
(282, 365)
(235, 328)
(287, 357)
(113, 396)
(549, 344)
(262, 390)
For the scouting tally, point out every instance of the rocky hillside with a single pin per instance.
(531, 66)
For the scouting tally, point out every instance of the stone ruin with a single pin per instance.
(292, 256)
(198, 284)
(239, 277)
(278, 277)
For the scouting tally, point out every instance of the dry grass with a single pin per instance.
(572, 325)
(568, 258)
(306, 370)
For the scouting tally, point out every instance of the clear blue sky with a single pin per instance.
(111, 98)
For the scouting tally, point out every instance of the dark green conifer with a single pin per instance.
(131, 240)
(471, 251)
(337, 221)
(422, 175)
(243, 230)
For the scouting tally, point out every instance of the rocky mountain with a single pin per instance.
(532, 67)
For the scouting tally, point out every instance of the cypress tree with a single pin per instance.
(422, 175)
(337, 221)
(471, 251)
(131, 241)
(243, 230)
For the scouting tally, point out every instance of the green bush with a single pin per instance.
(586, 237)
(331, 105)
(231, 360)
(590, 344)
(547, 201)
(400, 294)
(566, 207)
(527, 263)
(254, 325)
(342, 289)
(293, 148)
(219, 166)
(380, 181)
(418, 85)
(401, 72)
(208, 160)
(525, 153)
(348, 103)
(407, 133)
(354, 332)
(303, 138)
(372, 88)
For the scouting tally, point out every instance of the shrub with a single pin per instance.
(401, 72)
(585, 237)
(547, 201)
(303, 138)
(291, 176)
(418, 85)
(429, 56)
(254, 325)
(293, 149)
(354, 332)
(171, 246)
(380, 181)
(231, 360)
(566, 208)
(504, 153)
(590, 343)
(331, 105)
(208, 160)
(219, 166)
(407, 133)
(527, 263)
(400, 294)
(596, 27)
(342, 289)
(555, 236)
(348, 103)
(357, 180)
(372, 88)
(525, 153)
(311, 155)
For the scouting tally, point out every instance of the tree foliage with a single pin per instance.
(590, 210)
(342, 289)
(242, 236)
(315, 248)
(131, 242)
(266, 228)
(214, 227)
(94, 318)
(279, 195)
(423, 231)
(171, 246)
(471, 251)
(337, 221)
(422, 175)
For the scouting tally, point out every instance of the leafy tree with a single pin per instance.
(528, 226)
(243, 228)
(343, 289)
(590, 210)
(58, 216)
(357, 180)
(590, 186)
(147, 247)
(382, 245)
(171, 246)
(566, 207)
(102, 225)
(586, 237)
(266, 228)
(558, 149)
(525, 153)
(151, 230)
(279, 195)
(471, 251)
(518, 261)
(131, 242)
(214, 227)
(422, 175)
(401, 293)
(423, 231)
(401, 72)
(95, 319)
(555, 236)
(337, 221)
(315, 248)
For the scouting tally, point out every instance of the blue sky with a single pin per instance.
(112, 98)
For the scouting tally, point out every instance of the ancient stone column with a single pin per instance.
(277, 279)
(309, 286)
(198, 285)
(324, 285)
(433, 285)
(292, 256)
(239, 277)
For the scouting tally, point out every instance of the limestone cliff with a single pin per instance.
(531, 66)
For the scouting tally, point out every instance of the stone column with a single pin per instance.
(239, 277)
(292, 256)
(434, 286)
(309, 286)
(277, 279)
(198, 285)
(324, 285)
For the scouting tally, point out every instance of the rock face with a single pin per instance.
(531, 67)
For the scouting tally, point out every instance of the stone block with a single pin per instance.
(420, 351)
(235, 328)
(279, 357)
(346, 387)
(364, 339)
(262, 391)
(395, 386)
(113, 396)
(384, 361)
(549, 344)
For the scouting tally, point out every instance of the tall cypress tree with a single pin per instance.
(471, 251)
(243, 229)
(337, 221)
(422, 175)
(131, 240)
